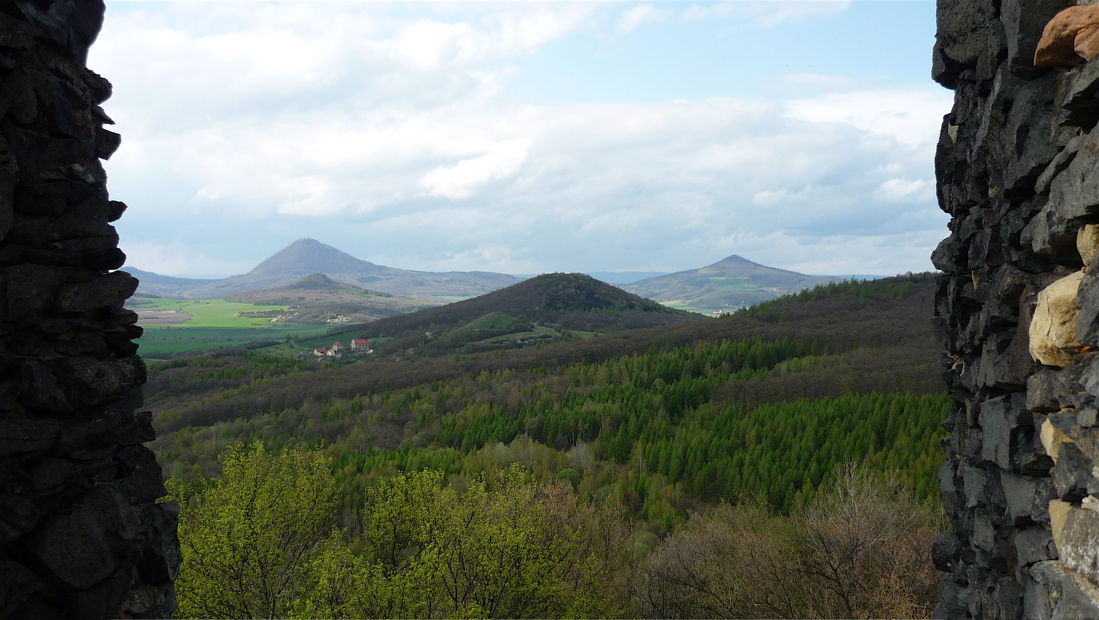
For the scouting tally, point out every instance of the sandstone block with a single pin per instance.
(1053, 328)
(1071, 37)
(1087, 241)
(1052, 438)
(1058, 515)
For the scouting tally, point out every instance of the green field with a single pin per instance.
(207, 312)
(214, 324)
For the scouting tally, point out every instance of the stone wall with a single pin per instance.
(1018, 310)
(80, 532)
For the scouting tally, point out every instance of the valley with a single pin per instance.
(656, 419)
(659, 424)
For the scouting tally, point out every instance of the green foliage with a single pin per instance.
(258, 543)
(249, 537)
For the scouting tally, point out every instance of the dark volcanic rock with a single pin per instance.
(80, 533)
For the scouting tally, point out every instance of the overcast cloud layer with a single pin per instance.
(523, 137)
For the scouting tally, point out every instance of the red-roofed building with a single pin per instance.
(360, 345)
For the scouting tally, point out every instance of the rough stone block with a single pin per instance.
(1074, 193)
(945, 550)
(1031, 137)
(21, 435)
(953, 600)
(1058, 165)
(946, 487)
(1052, 236)
(66, 384)
(1027, 497)
(1046, 585)
(1005, 600)
(143, 481)
(1072, 475)
(105, 290)
(73, 549)
(1035, 544)
(1087, 440)
(32, 289)
(1081, 96)
(122, 429)
(1079, 545)
(973, 485)
(16, 583)
(160, 560)
(998, 418)
(52, 474)
(1023, 26)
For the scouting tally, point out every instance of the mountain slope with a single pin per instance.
(306, 256)
(566, 301)
(733, 282)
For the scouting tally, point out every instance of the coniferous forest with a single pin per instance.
(777, 462)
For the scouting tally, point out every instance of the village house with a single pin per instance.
(360, 345)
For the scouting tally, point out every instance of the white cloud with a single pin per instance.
(896, 190)
(645, 13)
(827, 82)
(464, 178)
(767, 14)
(396, 133)
(909, 116)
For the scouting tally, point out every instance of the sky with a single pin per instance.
(525, 137)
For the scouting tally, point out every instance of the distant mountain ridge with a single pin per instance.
(307, 256)
(571, 301)
(733, 282)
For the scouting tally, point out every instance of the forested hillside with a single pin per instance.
(658, 422)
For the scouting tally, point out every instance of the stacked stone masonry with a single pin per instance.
(81, 534)
(1018, 308)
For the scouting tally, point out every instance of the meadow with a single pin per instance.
(214, 323)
